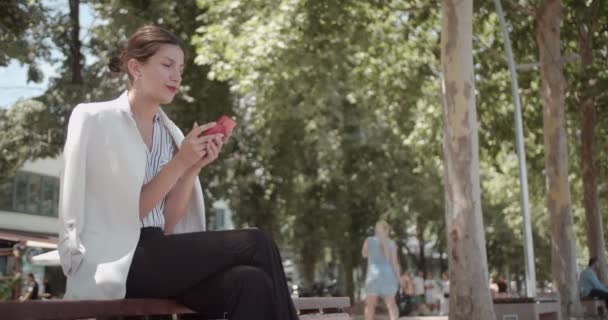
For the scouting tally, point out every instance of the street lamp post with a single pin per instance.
(523, 176)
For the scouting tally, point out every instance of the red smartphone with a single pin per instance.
(223, 125)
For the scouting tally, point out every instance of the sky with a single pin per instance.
(13, 78)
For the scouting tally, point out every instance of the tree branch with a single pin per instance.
(597, 12)
(522, 9)
(404, 9)
(387, 4)
(534, 65)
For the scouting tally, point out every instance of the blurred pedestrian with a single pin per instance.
(405, 296)
(32, 289)
(444, 306)
(419, 288)
(431, 292)
(382, 271)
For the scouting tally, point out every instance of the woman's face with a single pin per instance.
(161, 75)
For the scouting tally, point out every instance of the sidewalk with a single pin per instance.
(385, 317)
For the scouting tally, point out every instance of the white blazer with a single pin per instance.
(105, 162)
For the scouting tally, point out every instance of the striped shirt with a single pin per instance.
(161, 154)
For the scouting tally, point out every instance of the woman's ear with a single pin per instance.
(134, 68)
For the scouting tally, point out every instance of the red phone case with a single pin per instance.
(223, 125)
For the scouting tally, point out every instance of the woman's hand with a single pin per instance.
(213, 147)
(193, 148)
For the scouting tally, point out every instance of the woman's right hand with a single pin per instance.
(193, 146)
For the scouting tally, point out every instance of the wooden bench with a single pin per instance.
(526, 309)
(326, 308)
(593, 307)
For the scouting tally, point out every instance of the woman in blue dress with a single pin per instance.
(382, 271)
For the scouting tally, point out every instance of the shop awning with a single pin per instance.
(34, 240)
(30, 239)
(50, 258)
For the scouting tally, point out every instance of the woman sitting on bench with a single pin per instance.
(132, 211)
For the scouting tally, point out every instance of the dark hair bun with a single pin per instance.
(141, 45)
(115, 65)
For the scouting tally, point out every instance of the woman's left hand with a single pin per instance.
(213, 148)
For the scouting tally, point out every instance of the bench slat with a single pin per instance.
(60, 309)
(70, 309)
(593, 307)
(321, 303)
(331, 316)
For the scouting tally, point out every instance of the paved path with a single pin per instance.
(384, 317)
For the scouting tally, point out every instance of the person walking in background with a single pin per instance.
(502, 287)
(382, 271)
(32, 288)
(405, 296)
(431, 292)
(419, 286)
(419, 289)
(48, 290)
(407, 284)
(444, 306)
(493, 287)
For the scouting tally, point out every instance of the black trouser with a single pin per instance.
(599, 294)
(236, 272)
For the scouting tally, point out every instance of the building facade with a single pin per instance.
(29, 222)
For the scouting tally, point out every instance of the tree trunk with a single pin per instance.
(443, 263)
(469, 292)
(75, 44)
(401, 256)
(563, 267)
(309, 254)
(348, 266)
(350, 273)
(17, 270)
(421, 253)
(595, 233)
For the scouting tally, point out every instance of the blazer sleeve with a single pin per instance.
(73, 191)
